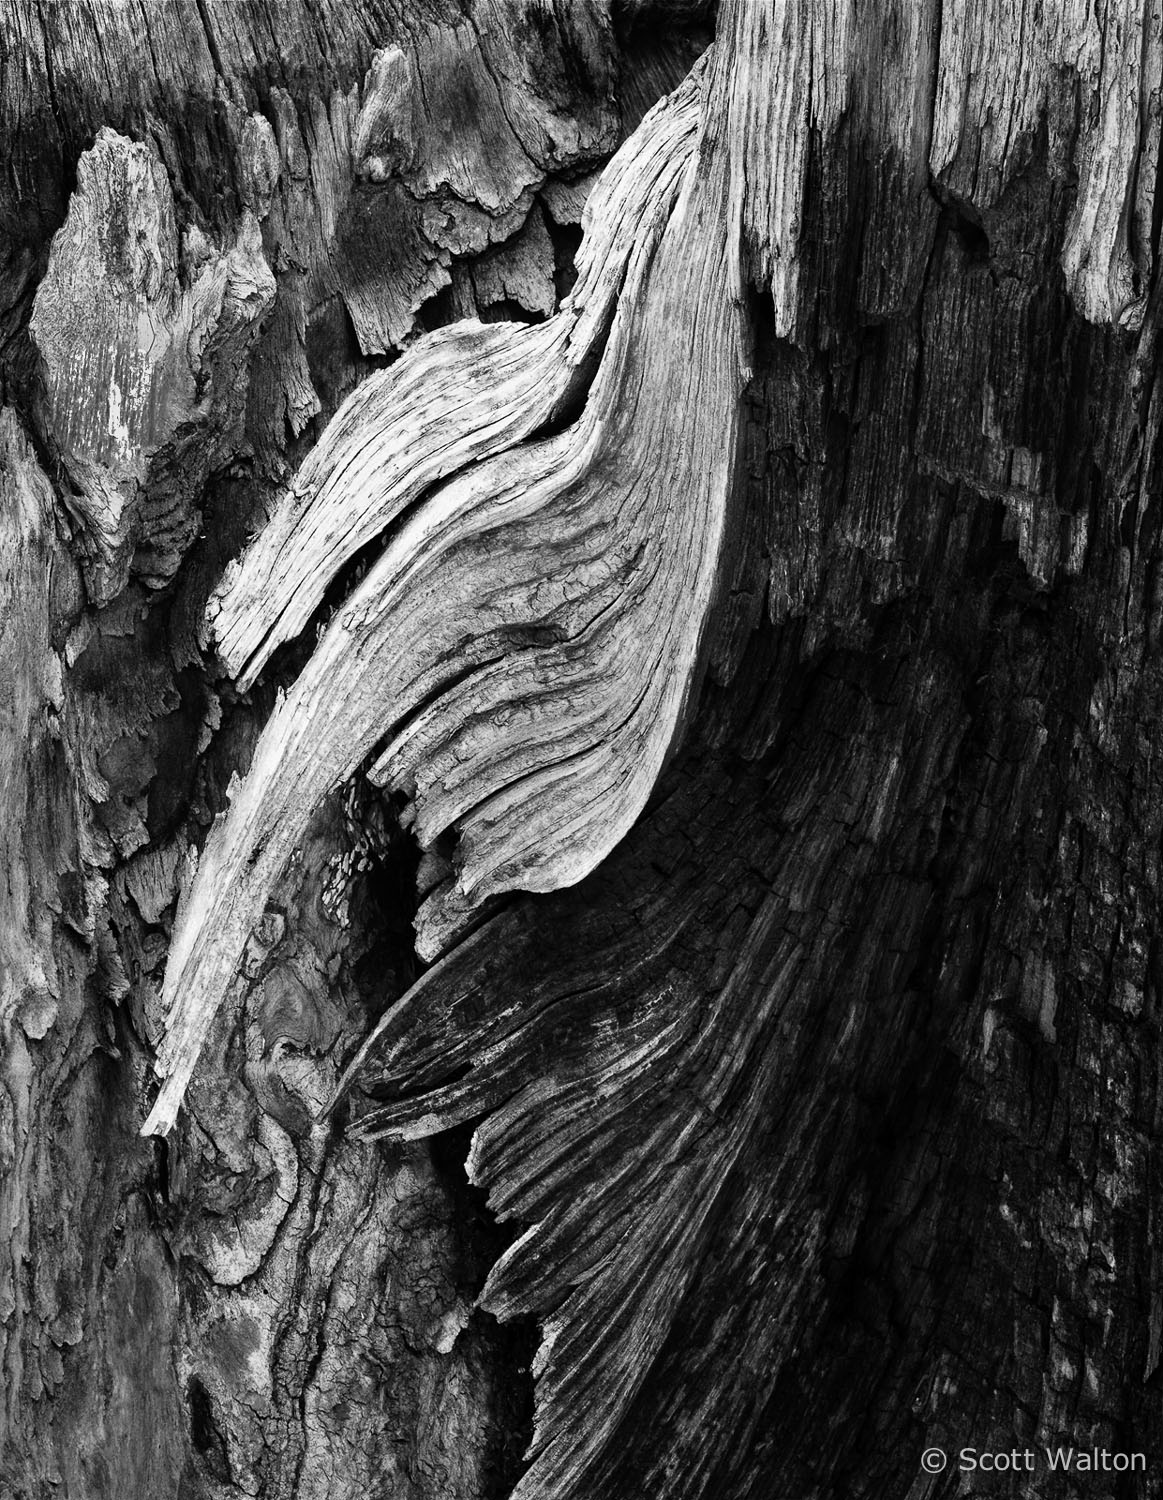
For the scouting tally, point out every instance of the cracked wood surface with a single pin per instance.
(258, 1309)
(819, 1119)
(139, 340)
(573, 572)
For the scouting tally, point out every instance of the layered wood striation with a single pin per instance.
(822, 1113)
(825, 1104)
(522, 652)
(461, 394)
(276, 1311)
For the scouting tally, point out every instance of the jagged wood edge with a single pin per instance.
(460, 394)
(358, 681)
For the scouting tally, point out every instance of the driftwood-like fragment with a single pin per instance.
(518, 660)
(526, 644)
(459, 395)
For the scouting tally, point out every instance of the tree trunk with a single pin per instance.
(594, 791)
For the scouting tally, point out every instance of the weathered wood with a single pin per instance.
(819, 1118)
(807, 1011)
(537, 569)
(141, 341)
(165, 1324)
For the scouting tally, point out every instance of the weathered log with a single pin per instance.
(143, 1291)
(819, 1118)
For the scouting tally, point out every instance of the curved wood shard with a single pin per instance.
(539, 614)
(460, 394)
(819, 1122)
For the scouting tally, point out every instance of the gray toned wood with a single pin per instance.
(814, 1090)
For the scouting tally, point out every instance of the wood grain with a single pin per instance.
(818, 1121)
(140, 338)
(536, 568)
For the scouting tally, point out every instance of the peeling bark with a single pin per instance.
(139, 342)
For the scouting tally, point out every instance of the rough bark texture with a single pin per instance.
(819, 1121)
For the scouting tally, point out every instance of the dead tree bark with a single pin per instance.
(748, 611)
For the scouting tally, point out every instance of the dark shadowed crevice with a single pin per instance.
(383, 898)
(566, 240)
(505, 1350)
(633, 16)
(204, 1434)
(959, 217)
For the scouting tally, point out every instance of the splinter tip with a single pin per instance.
(160, 1120)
